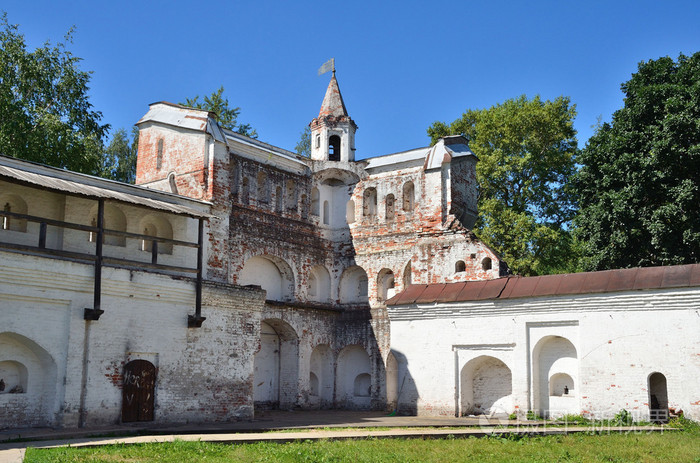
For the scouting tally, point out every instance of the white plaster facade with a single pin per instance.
(602, 347)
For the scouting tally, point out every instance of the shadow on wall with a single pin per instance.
(401, 392)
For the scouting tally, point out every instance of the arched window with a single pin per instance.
(326, 213)
(157, 227)
(14, 204)
(315, 202)
(233, 172)
(159, 155)
(291, 195)
(460, 266)
(279, 200)
(385, 285)
(389, 207)
(486, 263)
(304, 207)
(407, 275)
(318, 141)
(334, 148)
(369, 205)
(263, 190)
(149, 230)
(350, 211)
(245, 191)
(114, 219)
(408, 196)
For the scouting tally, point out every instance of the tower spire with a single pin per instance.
(333, 130)
(333, 104)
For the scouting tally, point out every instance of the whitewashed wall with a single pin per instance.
(616, 341)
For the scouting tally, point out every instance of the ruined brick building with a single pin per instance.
(237, 275)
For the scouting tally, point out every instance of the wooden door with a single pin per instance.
(138, 391)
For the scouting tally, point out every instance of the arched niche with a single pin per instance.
(385, 285)
(369, 202)
(321, 368)
(407, 275)
(315, 202)
(486, 387)
(326, 213)
(276, 365)
(13, 377)
(245, 191)
(350, 211)
(319, 284)
(390, 207)
(16, 204)
(408, 197)
(353, 286)
(561, 384)
(27, 367)
(114, 219)
(353, 378)
(272, 274)
(279, 200)
(157, 226)
(263, 196)
(291, 195)
(460, 266)
(553, 357)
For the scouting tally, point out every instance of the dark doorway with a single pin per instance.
(138, 391)
(334, 148)
(658, 398)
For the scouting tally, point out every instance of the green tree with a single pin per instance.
(639, 182)
(227, 116)
(526, 150)
(303, 147)
(45, 113)
(119, 160)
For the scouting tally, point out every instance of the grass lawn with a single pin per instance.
(641, 447)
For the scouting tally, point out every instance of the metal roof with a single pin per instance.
(397, 158)
(85, 185)
(630, 279)
(185, 117)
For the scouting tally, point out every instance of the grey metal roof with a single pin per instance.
(185, 117)
(397, 158)
(94, 187)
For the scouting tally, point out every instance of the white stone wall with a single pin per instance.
(608, 344)
(203, 374)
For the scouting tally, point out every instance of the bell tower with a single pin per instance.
(333, 131)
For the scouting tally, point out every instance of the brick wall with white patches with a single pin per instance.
(606, 344)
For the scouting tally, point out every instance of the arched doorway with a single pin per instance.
(658, 398)
(486, 385)
(138, 391)
(276, 366)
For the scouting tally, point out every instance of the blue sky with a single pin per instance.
(400, 65)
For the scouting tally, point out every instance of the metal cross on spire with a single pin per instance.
(327, 66)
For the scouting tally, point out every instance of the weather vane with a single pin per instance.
(327, 66)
